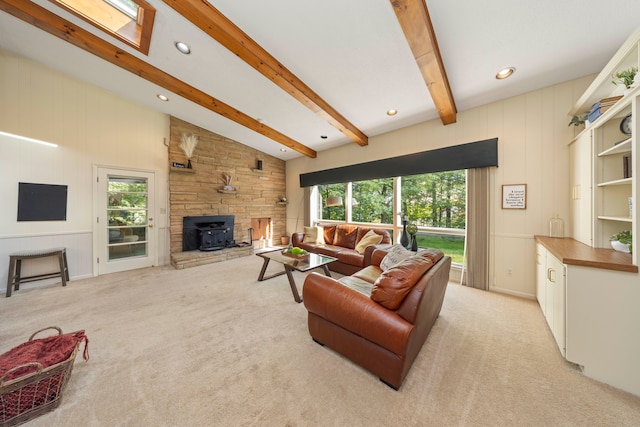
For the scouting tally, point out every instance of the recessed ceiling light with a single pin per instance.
(183, 48)
(323, 136)
(284, 150)
(162, 97)
(505, 72)
(392, 112)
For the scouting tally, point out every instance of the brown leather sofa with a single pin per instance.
(362, 327)
(340, 241)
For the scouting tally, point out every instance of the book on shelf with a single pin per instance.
(626, 166)
(607, 103)
(611, 100)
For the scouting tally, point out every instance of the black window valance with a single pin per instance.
(478, 154)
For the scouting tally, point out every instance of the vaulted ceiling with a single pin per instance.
(307, 76)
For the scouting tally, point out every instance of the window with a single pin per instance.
(435, 199)
(331, 203)
(434, 202)
(130, 21)
(372, 201)
(127, 216)
(128, 7)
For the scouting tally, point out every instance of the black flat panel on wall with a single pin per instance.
(42, 202)
(478, 154)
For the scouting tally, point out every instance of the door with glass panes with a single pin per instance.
(126, 237)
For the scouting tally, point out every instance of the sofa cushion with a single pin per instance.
(395, 254)
(370, 238)
(351, 257)
(369, 274)
(346, 236)
(431, 253)
(357, 284)
(328, 250)
(313, 235)
(329, 231)
(393, 285)
(386, 238)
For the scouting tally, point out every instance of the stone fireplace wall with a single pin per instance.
(195, 191)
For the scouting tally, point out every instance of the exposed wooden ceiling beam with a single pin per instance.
(65, 30)
(416, 24)
(206, 17)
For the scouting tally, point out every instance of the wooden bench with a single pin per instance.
(14, 277)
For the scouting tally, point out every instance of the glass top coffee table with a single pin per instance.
(294, 263)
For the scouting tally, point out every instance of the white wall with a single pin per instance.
(533, 139)
(91, 127)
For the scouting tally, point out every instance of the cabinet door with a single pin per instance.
(581, 158)
(541, 276)
(555, 297)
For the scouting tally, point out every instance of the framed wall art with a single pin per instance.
(514, 196)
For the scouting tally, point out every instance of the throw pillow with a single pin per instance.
(393, 285)
(314, 235)
(328, 233)
(371, 238)
(433, 254)
(310, 235)
(395, 254)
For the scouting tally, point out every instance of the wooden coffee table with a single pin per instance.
(290, 263)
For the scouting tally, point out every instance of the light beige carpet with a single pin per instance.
(211, 346)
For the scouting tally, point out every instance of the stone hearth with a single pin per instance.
(189, 259)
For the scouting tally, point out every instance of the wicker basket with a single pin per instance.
(37, 392)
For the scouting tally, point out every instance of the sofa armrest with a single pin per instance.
(297, 237)
(377, 254)
(374, 254)
(355, 312)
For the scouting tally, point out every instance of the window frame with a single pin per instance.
(317, 203)
(137, 34)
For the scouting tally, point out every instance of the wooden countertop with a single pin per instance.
(572, 252)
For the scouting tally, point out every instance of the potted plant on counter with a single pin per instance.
(622, 241)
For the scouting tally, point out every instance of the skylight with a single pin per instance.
(128, 7)
(131, 21)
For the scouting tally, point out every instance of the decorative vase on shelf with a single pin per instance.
(414, 243)
(404, 239)
(189, 164)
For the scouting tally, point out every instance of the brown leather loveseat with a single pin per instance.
(347, 242)
(379, 319)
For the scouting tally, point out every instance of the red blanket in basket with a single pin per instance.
(35, 390)
(46, 351)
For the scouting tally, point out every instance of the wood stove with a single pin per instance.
(207, 233)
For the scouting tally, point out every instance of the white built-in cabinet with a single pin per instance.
(551, 288)
(589, 293)
(600, 191)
